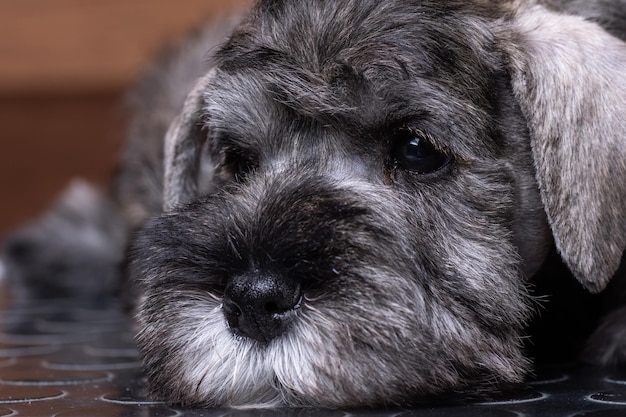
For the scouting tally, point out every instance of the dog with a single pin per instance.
(362, 203)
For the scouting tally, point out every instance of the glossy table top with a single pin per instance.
(61, 359)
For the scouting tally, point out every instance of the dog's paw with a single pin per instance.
(607, 345)
(76, 247)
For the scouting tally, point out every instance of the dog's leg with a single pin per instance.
(607, 345)
(75, 248)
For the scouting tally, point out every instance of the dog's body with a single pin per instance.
(362, 198)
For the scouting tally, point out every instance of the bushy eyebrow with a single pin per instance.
(367, 101)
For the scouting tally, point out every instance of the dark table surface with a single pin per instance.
(62, 359)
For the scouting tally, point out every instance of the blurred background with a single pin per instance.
(64, 68)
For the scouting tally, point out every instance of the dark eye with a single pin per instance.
(238, 166)
(413, 152)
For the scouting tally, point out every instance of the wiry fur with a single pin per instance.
(354, 310)
(281, 165)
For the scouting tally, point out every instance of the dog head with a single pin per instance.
(358, 191)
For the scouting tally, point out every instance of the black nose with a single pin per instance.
(260, 306)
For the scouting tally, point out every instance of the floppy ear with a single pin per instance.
(183, 145)
(569, 77)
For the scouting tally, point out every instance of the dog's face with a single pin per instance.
(369, 215)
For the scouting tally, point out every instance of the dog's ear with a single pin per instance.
(569, 77)
(183, 145)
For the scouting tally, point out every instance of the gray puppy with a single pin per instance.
(361, 201)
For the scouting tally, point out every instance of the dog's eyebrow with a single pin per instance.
(367, 92)
(329, 93)
(227, 141)
(448, 117)
(236, 56)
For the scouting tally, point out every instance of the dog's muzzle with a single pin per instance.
(290, 241)
(261, 306)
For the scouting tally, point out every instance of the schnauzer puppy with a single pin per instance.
(361, 202)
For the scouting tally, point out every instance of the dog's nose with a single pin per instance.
(260, 306)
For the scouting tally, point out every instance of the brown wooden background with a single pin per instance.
(64, 65)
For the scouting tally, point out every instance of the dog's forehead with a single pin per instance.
(400, 36)
(363, 65)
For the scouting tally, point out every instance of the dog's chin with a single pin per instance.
(217, 367)
(331, 357)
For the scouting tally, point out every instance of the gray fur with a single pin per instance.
(577, 134)
(283, 180)
(75, 249)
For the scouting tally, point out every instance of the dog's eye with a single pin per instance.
(413, 152)
(238, 166)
